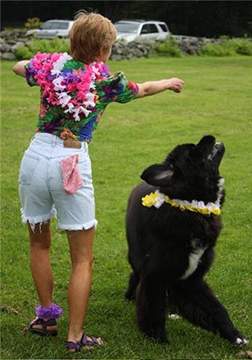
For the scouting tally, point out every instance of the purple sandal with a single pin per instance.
(87, 341)
(49, 326)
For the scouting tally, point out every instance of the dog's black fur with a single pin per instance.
(161, 241)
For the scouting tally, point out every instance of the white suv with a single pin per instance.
(51, 29)
(140, 29)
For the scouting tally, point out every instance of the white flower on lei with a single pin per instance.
(64, 98)
(90, 100)
(85, 111)
(59, 64)
(62, 95)
(160, 199)
(70, 108)
(57, 84)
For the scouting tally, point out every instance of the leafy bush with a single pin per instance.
(44, 46)
(227, 47)
(214, 49)
(23, 53)
(169, 48)
(242, 46)
(33, 23)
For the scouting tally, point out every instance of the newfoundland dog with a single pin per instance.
(173, 222)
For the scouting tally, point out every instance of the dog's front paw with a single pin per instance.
(241, 341)
(236, 338)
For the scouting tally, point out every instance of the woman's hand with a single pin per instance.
(176, 84)
(19, 68)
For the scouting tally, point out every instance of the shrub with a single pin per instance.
(168, 48)
(23, 53)
(227, 47)
(224, 48)
(33, 23)
(44, 46)
(242, 46)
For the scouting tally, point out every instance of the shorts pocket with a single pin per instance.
(28, 166)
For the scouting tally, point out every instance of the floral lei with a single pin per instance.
(157, 199)
(73, 90)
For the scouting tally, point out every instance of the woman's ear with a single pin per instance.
(158, 175)
(105, 54)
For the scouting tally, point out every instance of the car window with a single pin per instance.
(63, 26)
(149, 29)
(163, 27)
(153, 28)
(46, 25)
(145, 29)
(56, 25)
(126, 28)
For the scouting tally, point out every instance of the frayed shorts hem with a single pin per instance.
(33, 220)
(85, 226)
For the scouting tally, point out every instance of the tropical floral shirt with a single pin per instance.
(74, 95)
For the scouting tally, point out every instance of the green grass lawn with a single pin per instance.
(216, 100)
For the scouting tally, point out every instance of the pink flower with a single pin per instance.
(83, 87)
(47, 66)
(55, 57)
(81, 95)
(41, 83)
(71, 87)
(55, 102)
(43, 56)
(51, 98)
(37, 64)
(41, 79)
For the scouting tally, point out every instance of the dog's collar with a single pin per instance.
(157, 199)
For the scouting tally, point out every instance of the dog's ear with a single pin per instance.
(158, 175)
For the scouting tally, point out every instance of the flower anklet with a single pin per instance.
(43, 327)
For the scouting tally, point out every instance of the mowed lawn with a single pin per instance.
(216, 100)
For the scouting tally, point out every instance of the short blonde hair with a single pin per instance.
(90, 34)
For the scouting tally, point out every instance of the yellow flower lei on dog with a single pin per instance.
(157, 199)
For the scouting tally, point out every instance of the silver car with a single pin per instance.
(51, 29)
(140, 29)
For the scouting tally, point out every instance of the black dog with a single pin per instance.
(171, 242)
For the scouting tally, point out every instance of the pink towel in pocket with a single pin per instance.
(72, 180)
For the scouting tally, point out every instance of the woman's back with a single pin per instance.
(74, 95)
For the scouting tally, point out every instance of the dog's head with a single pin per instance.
(190, 172)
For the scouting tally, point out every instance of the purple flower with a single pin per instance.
(51, 77)
(52, 311)
(71, 78)
(105, 70)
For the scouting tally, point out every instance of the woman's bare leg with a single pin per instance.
(40, 241)
(80, 243)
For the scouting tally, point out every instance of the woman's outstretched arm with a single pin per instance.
(154, 87)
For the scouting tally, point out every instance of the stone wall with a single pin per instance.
(10, 41)
(187, 45)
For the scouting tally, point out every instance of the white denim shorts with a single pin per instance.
(41, 188)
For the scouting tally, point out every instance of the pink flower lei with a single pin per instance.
(73, 90)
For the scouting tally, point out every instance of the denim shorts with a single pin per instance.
(41, 188)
